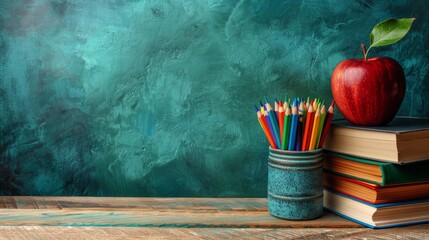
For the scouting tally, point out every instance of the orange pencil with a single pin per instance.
(264, 126)
(328, 120)
(315, 131)
(267, 133)
(307, 130)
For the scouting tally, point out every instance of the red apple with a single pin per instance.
(369, 91)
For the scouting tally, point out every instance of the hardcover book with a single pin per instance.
(403, 140)
(377, 215)
(382, 173)
(374, 193)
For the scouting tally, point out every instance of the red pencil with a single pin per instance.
(307, 130)
(327, 123)
(266, 130)
(281, 121)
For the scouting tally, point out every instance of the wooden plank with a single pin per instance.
(150, 212)
(154, 218)
(153, 212)
(108, 233)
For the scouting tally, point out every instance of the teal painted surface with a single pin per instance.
(154, 98)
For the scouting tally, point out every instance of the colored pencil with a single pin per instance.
(298, 143)
(322, 122)
(274, 123)
(300, 125)
(276, 108)
(281, 122)
(293, 126)
(286, 128)
(264, 127)
(327, 123)
(286, 105)
(308, 127)
(315, 104)
(270, 127)
(269, 136)
(262, 108)
(304, 116)
(299, 131)
(314, 131)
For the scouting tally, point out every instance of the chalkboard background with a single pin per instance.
(155, 98)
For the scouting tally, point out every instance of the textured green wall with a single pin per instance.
(154, 98)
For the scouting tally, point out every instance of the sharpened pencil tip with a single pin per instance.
(256, 108)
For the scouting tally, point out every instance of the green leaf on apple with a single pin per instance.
(388, 32)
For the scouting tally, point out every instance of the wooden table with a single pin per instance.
(172, 218)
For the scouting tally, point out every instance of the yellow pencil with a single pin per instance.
(322, 122)
(315, 105)
(315, 130)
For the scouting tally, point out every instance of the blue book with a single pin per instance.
(377, 215)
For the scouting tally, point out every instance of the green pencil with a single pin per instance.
(286, 128)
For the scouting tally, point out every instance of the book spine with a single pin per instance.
(396, 174)
(385, 176)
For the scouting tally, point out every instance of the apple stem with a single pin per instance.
(364, 50)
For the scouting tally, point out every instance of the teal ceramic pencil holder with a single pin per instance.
(295, 184)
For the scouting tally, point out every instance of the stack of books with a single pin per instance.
(378, 176)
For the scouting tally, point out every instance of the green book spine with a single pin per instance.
(393, 173)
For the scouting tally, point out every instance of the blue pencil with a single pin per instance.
(256, 108)
(293, 127)
(300, 126)
(270, 127)
(274, 123)
(262, 107)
